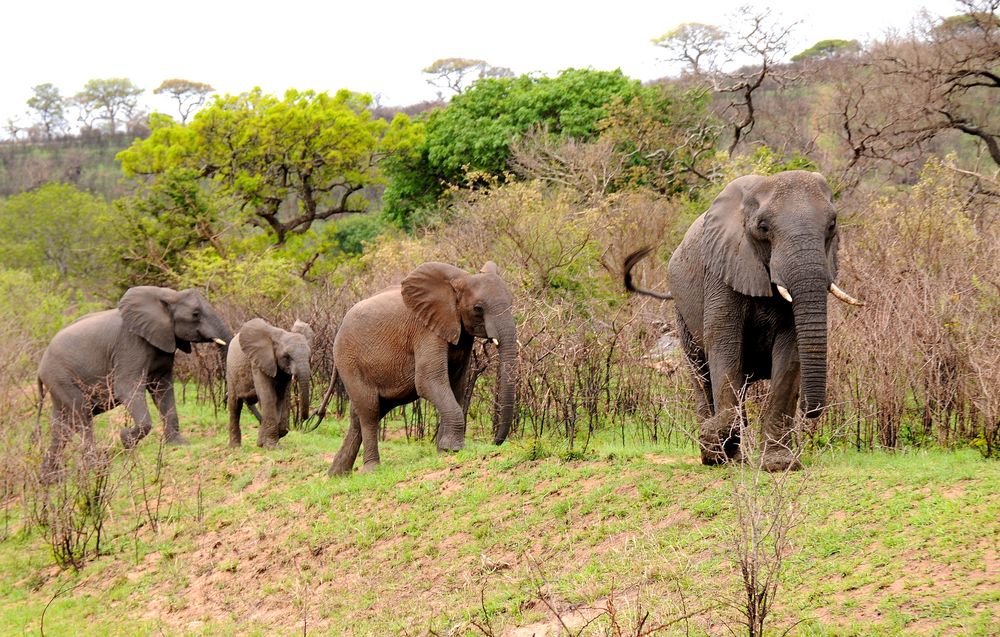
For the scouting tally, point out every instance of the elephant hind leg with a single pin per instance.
(699, 371)
(70, 412)
(343, 462)
(235, 406)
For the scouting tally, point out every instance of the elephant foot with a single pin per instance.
(235, 444)
(177, 440)
(130, 437)
(339, 468)
(775, 462)
(451, 443)
(368, 467)
(267, 444)
(720, 443)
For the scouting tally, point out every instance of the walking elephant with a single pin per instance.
(415, 341)
(750, 281)
(112, 358)
(261, 364)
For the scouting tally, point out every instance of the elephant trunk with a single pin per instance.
(303, 378)
(503, 416)
(809, 292)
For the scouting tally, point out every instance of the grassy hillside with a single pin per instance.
(263, 543)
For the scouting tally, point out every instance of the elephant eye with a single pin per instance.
(763, 227)
(196, 315)
(832, 227)
(478, 308)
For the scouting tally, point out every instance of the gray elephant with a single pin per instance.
(750, 282)
(112, 358)
(261, 364)
(415, 341)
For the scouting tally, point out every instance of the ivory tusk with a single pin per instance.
(219, 341)
(844, 296)
(494, 341)
(784, 293)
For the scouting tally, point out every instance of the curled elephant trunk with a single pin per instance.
(506, 383)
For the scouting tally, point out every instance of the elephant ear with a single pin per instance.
(256, 341)
(303, 328)
(727, 250)
(490, 268)
(430, 293)
(145, 311)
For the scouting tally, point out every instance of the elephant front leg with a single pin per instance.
(268, 399)
(162, 390)
(434, 384)
(142, 423)
(235, 408)
(719, 437)
(778, 452)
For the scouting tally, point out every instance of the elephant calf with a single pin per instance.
(112, 358)
(261, 363)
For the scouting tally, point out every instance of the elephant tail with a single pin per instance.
(630, 262)
(41, 402)
(321, 412)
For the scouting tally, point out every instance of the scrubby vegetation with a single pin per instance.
(296, 207)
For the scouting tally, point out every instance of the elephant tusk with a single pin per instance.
(219, 341)
(784, 293)
(844, 296)
(494, 341)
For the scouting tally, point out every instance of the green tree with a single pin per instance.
(473, 134)
(188, 95)
(49, 109)
(58, 232)
(284, 163)
(827, 49)
(112, 100)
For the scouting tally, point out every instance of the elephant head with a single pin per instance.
(171, 320)
(451, 302)
(276, 351)
(777, 235)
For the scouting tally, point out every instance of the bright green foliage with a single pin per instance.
(162, 223)
(286, 163)
(825, 49)
(473, 134)
(57, 232)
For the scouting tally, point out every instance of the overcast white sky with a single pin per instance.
(375, 47)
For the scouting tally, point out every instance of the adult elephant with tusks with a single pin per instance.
(415, 341)
(114, 357)
(750, 281)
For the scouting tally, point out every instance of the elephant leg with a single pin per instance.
(235, 406)
(460, 379)
(283, 413)
(343, 462)
(779, 452)
(69, 414)
(267, 397)
(433, 383)
(134, 398)
(720, 433)
(162, 390)
(699, 370)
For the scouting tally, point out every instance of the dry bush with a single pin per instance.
(919, 362)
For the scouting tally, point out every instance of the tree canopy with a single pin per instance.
(474, 133)
(113, 100)
(825, 49)
(286, 163)
(188, 95)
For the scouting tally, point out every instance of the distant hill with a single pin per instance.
(86, 162)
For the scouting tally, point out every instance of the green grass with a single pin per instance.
(255, 542)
